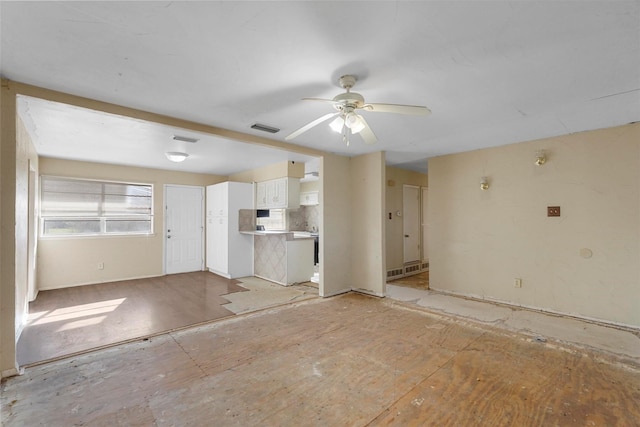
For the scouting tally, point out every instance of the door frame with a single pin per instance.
(164, 224)
(424, 222)
(418, 227)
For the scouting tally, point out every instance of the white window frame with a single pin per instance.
(103, 219)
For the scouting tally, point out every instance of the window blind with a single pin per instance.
(85, 207)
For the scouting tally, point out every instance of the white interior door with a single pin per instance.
(184, 231)
(411, 222)
(425, 224)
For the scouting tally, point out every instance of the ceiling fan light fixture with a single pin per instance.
(176, 156)
(355, 123)
(346, 121)
(337, 124)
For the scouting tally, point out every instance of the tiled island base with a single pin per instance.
(283, 259)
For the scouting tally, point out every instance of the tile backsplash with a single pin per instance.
(247, 220)
(304, 219)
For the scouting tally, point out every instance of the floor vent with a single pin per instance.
(396, 273)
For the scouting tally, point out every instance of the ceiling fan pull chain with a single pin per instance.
(345, 140)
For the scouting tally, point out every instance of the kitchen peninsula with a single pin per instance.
(282, 257)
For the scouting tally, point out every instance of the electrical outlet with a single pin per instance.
(517, 282)
(101, 266)
(553, 210)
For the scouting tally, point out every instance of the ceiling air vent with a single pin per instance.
(185, 139)
(265, 128)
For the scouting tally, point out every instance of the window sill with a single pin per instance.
(95, 236)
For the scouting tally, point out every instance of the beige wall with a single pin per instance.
(26, 160)
(274, 171)
(310, 186)
(335, 225)
(480, 241)
(367, 223)
(72, 261)
(10, 242)
(17, 159)
(395, 179)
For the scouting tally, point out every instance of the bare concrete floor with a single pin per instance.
(349, 360)
(623, 344)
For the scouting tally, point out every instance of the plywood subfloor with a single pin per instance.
(351, 360)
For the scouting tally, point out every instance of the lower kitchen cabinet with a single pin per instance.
(281, 258)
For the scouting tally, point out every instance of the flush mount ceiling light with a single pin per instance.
(177, 152)
(176, 156)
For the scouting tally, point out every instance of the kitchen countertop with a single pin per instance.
(290, 235)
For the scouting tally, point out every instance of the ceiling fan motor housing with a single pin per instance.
(347, 81)
(346, 117)
(348, 99)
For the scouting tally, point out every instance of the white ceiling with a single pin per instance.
(493, 73)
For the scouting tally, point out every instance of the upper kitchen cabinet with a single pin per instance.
(309, 198)
(281, 193)
(218, 200)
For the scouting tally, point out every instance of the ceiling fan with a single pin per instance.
(347, 121)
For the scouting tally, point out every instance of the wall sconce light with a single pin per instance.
(541, 158)
(484, 183)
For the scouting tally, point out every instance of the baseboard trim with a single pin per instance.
(11, 372)
(333, 294)
(103, 281)
(267, 279)
(602, 322)
(368, 292)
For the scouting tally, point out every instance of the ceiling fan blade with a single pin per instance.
(366, 133)
(318, 99)
(308, 126)
(416, 110)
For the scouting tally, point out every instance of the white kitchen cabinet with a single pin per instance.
(261, 195)
(218, 244)
(229, 253)
(217, 200)
(309, 198)
(281, 193)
